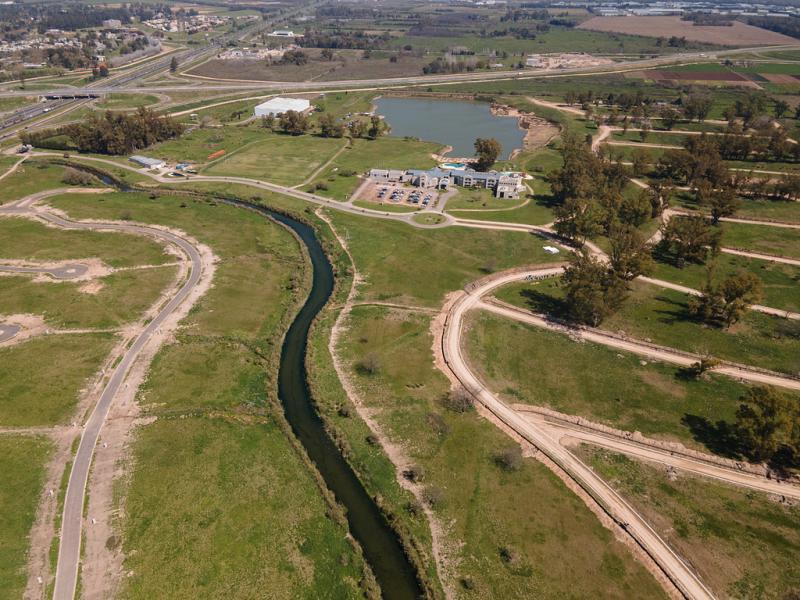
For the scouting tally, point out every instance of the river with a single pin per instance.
(456, 123)
(382, 549)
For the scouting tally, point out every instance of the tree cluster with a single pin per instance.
(722, 304)
(688, 240)
(768, 427)
(111, 133)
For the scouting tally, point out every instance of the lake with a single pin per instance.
(453, 122)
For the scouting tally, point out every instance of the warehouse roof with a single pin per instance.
(282, 105)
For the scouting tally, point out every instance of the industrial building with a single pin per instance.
(278, 106)
(149, 163)
(503, 184)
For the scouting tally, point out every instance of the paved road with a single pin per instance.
(678, 572)
(62, 273)
(621, 67)
(8, 331)
(72, 518)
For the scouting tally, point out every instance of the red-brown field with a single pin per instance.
(738, 34)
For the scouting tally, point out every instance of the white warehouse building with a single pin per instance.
(278, 106)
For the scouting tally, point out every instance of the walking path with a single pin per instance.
(676, 570)
(200, 272)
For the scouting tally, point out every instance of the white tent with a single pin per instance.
(278, 106)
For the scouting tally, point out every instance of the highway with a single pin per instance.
(72, 517)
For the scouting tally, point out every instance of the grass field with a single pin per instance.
(486, 509)
(405, 264)
(25, 239)
(22, 461)
(40, 379)
(31, 177)
(529, 365)
(282, 159)
(743, 543)
(662, 316)
(242, 513)
(341, 176)
(200, 143)
(761, 238)
(123, 101)
(124, 297)
(768, 209)
(781, 281)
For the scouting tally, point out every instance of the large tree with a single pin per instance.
(593, 290)
(630, 253)
(293, 122)
(487, 150)
(688, 239)
(766, 422)
(723, 304)
(578, 219)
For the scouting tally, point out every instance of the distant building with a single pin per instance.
(149, 163)
(112, 24)
(504, 184)
(283, 33)
(278, 106)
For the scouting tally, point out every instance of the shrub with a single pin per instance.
(509, 459)
(75, 177)
(458, 400)
(415, 473)
(433, 496)
(370, 364)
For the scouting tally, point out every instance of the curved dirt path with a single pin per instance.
(673, 567)
(200, 267)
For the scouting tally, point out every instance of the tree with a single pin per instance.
(293, 122)
(669, 117)
(688, 239)
(724, 304)
(630, 253)
(578, 219)
(487, 150)
(357, 129)
(173, 65)
(644, 132)
(640, 158)
(766, 421)
(593, 291)
(327, 54)
(697, 106)
(268, 121)
(724, 202)
(375, 127)
(781, 108)
(636, 209)
(329, 127)
(370, 364)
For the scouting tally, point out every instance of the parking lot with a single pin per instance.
(395, 193)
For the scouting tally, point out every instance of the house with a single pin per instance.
(149, 163)
(278, 106)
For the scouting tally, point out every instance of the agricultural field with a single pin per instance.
(738, 34)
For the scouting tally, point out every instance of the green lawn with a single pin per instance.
(200, 143)
(25, 239)
(283, 159)
(123, 298)
(762, 238)
(530, 365)
(770, 209)
(22, 464)
(41, 378)
(547, 529)
(406, 264)
(341, 176)
(743, 543)
(662, 316)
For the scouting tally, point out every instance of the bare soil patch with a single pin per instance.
(738, 34)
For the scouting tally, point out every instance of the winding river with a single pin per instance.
(382, 549)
